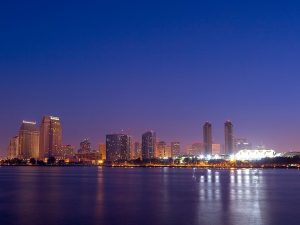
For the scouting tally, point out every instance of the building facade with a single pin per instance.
(118, 147)
(175, 148)
(228, 130)
(50, 136)
(28, 140)
(148, 145)
(13, 148)
(207, 138)
(163, 150)
(102, 151)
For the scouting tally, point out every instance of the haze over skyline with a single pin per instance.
(167, 66)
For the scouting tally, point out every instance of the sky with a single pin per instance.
(169, 66)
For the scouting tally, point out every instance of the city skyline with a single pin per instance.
(49, 142)
(166, 66)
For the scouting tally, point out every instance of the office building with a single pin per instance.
(13, 148)
(50, 136)
(175, 148)
(207, 138)
(228, 129)
(28, 140)
(102, 151)
(117, 147)
(85, 147)
(148, 145)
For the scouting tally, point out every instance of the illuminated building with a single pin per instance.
(148, 145)
(291, 154)
(168, 152)
(29, 140)
(50, 136)
(13, 148)
(85, 147)
(195, 149)
(137, 150)
(117, 147)
(228, 128)
(102, 151)
(163, 150)
(65, 151)
(86, 154)
(241, 143)
(175, 148)
(255, 154)
(207, 138)
(216, 149)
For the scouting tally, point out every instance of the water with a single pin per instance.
(148, 196)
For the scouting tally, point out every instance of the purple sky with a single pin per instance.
(169, 66)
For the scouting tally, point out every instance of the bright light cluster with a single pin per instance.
(254, 154)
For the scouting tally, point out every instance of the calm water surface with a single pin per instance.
(148, 196)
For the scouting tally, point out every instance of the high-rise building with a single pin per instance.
(50, 136)
(29, 140)
(85, 147)
(148, 145)
(13, 148)
(65, 151)
(102, 151)
(207, 138)
(195, 149)
(175, 148)
(163, 150)
(137, 150)
(117, 147)
(228, 128)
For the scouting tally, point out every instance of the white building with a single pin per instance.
(255, 154)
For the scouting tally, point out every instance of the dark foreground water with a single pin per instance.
(142, 196)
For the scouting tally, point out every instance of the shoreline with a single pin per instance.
(167, 166)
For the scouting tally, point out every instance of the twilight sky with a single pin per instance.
(103, 66)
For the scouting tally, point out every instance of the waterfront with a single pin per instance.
(108, 196)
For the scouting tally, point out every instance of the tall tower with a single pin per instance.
(50, 136)
(207, 138)
(28, 140)
(148, 145)
(13, 148)
(228, 128)
(117, 147)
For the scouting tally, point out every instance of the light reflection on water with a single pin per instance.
(230, 196)
(109, 196)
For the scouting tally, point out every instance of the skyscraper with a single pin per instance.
(102, 151)
(137, 150)
(13, 148)
(207, 138)
(50, 136)
(162, 149)
(175, 148)
(85, 147)
(28, 140)
(148, 145)
(117, 147)
(228, 128)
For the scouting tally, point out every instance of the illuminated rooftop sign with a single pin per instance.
(54, 118)
(29, 122)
